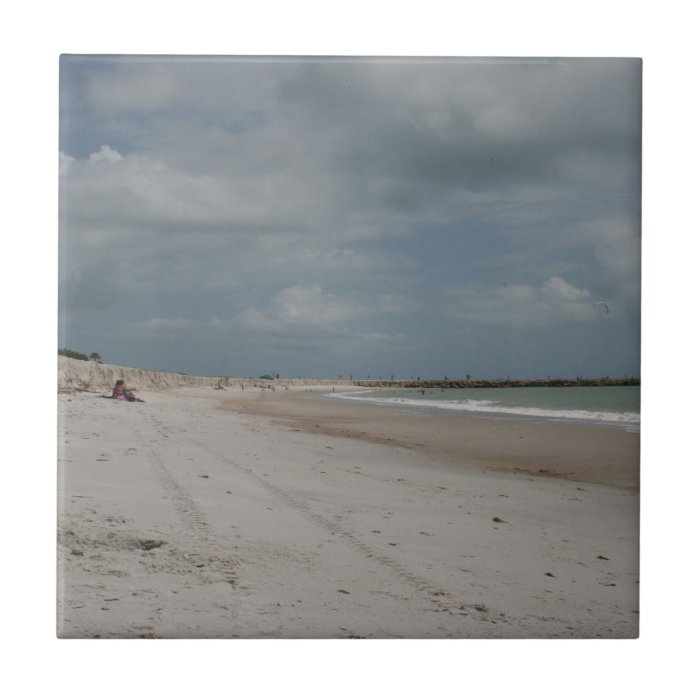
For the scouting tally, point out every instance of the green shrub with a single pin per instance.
(73, 354)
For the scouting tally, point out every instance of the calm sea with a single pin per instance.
(600, 405)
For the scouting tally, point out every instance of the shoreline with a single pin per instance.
(593, 454)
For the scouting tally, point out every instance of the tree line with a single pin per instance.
(93, 356)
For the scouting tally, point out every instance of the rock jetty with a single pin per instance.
(491, 383)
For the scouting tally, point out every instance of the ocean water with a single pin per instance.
(598, 405)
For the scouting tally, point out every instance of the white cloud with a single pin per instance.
(304, 306)
(310, 309)
(557, 290)
(106, 154)
(522, 306)
(238, 195)
(64, 163)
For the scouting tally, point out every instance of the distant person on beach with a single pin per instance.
(122, 392)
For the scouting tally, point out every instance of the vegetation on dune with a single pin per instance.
(66, 352)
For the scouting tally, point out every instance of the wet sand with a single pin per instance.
(600, 455)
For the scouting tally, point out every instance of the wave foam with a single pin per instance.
(474, 406)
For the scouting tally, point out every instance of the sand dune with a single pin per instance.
(92, 376)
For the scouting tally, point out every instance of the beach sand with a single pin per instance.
(260, 514)
(591, 454)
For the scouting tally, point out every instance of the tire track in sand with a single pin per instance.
(437, 596)
(441, 600)
(191, 515)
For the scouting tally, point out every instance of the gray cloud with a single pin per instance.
(216, 196)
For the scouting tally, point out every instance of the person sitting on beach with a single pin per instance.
(122, 392)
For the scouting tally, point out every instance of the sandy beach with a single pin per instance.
(260, 514)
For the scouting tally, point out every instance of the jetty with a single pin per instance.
(491, 383)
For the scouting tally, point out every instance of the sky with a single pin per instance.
(406, 218)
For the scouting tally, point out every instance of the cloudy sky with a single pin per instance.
(317, 217)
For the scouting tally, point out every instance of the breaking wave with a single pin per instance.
(627, 420)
